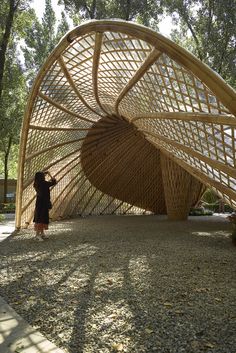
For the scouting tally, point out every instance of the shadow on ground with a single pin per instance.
(122, 283)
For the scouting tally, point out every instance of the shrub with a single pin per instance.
(200, 211)
(8, 207)
(212, 202)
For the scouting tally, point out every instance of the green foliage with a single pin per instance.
(13, 98)
(11, 111)
(12, 107)
(12, 162)
(8, 207)
(211, 201)
(62, 28)
(14, 16)
(12, 82)
(41, 38)
(210, 197)
(23, 20)
(2, 217)
(200, 211)
(142, 11)
(207, 29)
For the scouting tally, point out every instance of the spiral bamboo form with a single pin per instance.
(128, 122)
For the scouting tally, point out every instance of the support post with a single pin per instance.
(179, 187)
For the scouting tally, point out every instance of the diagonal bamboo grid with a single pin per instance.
(128, 122)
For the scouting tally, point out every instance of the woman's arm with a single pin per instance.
(53, 180)
(49, 174)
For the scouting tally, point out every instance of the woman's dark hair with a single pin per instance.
(39, 178)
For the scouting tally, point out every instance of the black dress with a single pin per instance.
(43, 203)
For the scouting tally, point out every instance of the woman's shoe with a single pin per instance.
(38, 237)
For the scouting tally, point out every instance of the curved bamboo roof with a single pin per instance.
(128, 122)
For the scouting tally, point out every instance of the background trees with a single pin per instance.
(11, 112)
(144, 11)
(13, 18)
(41, 38)
(10, 28)
(207, 29)
(19, 24)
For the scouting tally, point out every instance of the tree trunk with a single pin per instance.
(127, 10)
(5, 40)
(93, 9)
(6, 159)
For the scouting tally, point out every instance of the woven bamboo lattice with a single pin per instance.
(128, 122)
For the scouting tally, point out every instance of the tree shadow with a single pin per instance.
(143, 282)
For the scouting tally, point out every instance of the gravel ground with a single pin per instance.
(126, 284)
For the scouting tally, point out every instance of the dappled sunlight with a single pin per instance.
(17, 336)
(109, 281)
(219, 234)
(140, 272)
(8, 275)
(77, 282)
(100, 284)
(117, 323)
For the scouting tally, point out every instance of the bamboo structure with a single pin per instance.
(128, 122)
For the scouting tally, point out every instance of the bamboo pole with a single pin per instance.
(213, 163)
(96, 57)
(184, 116)
(152, 57)
(198, 174)
(74, 87)
(62, 108)
(182, 56)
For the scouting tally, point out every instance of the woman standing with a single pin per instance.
(43, 203)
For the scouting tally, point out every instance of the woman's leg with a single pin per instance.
(38, 235)
(43, 235)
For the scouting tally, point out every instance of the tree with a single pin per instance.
(17, 19)
(207, 28)
(129, 10)
(41, 38)
(13, 19)
(9, 9)
(12, 109)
